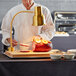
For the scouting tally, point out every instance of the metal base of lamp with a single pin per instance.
(17, 54)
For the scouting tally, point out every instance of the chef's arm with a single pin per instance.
(6, 28)
(48, 30)
(47, 33)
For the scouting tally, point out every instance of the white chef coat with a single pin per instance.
(24, 31)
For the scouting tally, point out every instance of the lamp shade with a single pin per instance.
(38, 18)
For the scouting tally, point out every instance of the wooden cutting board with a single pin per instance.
(17, 54)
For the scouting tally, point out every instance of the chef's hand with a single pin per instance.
(14, 42)
(37, 37)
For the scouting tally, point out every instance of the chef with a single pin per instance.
(22, 24)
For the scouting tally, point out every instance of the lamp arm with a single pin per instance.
(11, 47)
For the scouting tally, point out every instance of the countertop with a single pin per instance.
(4, 58)
(36, 67)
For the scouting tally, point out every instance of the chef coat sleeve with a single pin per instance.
(6, 28)
(48, 30)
